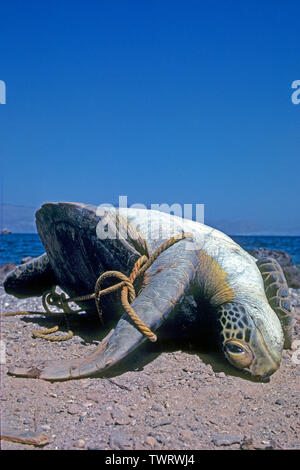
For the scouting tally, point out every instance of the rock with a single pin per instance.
(93, 396)
(295, 297)
(157, 407)
(283, 258)
(120, 418)
(150, 441)
(73, 410)
(226, 439)
(21, 399)
(221, 375)
(292, 275)
(247, 444)
(46, 427)
(120, 440)
(27, 259)
(80, 443)
(279, 401)
(5, 269)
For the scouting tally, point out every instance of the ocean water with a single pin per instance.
(14, 247)
(289, 244)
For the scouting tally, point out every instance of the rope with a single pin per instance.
(46, 334)
(128, 294)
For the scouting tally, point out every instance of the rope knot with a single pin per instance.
(128, 294)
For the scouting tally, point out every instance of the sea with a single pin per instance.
(15, 247)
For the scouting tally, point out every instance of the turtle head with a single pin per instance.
(251, 337)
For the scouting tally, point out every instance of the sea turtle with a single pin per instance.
(225, 282)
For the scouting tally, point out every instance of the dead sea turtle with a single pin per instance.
(247, 302)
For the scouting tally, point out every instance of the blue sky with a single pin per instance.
(162, 101)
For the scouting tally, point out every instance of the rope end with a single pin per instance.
(153, 338)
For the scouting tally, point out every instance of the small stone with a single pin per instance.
(279, 401)
(247, 444)
(88, 405)
(150, 441)
(27, 259)
(120, 418)
(157, 407)
(120, 440)
(186, 434)
(73, 410)
(221, 375)
(247, 397)
(21, 400)
(46, 427)
(80, 443)
(151, 387)
(226, 439)
(94, 397)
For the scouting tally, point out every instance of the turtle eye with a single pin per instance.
(234, 349)
(239, 355)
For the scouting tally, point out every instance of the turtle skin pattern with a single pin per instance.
(278, 295)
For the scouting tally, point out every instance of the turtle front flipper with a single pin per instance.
(169, 279)
(278, 295)
(31, 279)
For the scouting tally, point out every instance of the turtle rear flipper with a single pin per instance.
(31, 279)
(278, 295)
(169, 279)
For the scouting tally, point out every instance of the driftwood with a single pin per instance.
(24, 437)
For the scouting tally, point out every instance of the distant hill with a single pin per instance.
(243, 227)
(21, 219)
(17, 219)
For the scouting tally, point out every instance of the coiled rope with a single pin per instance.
(128, 294)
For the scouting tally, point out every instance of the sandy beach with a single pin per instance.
(165, 398)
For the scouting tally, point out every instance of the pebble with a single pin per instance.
(157, 407)
(226, 439)
(80, 443)
(150, 441)
(120, 418)
(94, 397)
(21, 400)
(46, 427)
(73, 410)
(221, 375)
(120, 440)
(279, 401)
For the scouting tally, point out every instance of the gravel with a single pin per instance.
(164, 399)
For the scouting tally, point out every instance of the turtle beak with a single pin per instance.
(265, 369)
(266, 361)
